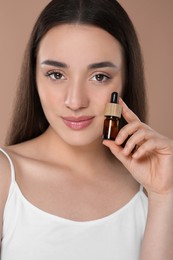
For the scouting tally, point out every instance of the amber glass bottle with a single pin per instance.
(112, 114)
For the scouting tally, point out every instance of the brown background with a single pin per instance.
(153, 20)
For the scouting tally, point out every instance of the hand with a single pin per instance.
(151, 164)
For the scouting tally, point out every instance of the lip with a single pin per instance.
(78, 123)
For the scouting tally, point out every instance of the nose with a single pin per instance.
(76, 97)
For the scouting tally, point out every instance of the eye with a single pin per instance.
(100, 77)
(54, 75)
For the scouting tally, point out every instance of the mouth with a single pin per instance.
(78, 123)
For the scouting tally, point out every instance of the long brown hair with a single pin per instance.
(28, 119)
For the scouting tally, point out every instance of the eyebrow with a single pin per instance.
(97, 65)
(102, 64)
(54, 63)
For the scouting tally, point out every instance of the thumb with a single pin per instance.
(117, 150)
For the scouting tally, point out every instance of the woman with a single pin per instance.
(67, 194)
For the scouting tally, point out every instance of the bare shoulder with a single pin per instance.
(25, 150)
(27, 158)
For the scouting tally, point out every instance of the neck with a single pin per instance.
(91, 156)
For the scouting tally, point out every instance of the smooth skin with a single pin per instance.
(64, 167)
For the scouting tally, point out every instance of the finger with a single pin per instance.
(127, 113)
(148, 147)
(117, 151)
(158, 144)
(128, 130)
(136, 140)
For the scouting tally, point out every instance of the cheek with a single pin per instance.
(48, 99)
(44, 98)
(48, 96)
(45, 93)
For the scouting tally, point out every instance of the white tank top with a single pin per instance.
(30, 233)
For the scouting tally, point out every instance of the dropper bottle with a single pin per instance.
(112, 114)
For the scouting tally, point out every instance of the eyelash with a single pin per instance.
(53, 75)
(106, 77)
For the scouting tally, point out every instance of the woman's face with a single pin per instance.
(78, 67)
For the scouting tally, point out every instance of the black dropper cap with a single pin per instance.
(114, 97)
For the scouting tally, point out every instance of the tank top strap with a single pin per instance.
(141, 188)
(11, 164)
